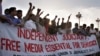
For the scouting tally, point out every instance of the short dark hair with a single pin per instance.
(11, 9)
(84, 26)
(6, 11)
(18, 11)
(92, 24)
(76, 24)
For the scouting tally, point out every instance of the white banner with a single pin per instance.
(23, 42)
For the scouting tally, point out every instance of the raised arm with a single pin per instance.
(38, 15)
(41, 13)
(69, 17)
(69, 24)
(29, 12)
(58, 22)
(30, 6)
(38, 12)
(62, 21)
(55, 17)
(46, 16)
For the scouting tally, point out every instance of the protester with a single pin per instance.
(92, 30)
(97, 33)
(83, 30)
(6, 11)
(19, 15)
(88, 30)
(68, 26)
(3, 18)
(53, 27)
(38, 24)
(75, 29)
(29, 19)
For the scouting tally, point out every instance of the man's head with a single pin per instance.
(96, 29)
(92, 26)
(12, 11)
(88, 28)
(84, 26)
(76, 25)
(6, 11)
(19, 14)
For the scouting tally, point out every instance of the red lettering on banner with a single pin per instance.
(9, 44)
(88, 44)
(26, 34)
(30, 35)
(57, 46)
(35, 48)
(51, 38)
(73, 37)
(76, 44)
(21, 33)
(41, 37)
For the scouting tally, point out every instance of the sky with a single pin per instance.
(90, 9)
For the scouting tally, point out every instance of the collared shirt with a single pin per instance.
(41, 28)
(30, 25)
(75, 30)
(14, 20)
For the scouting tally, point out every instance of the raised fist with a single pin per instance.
(56, 16)
(38, 10)
(69, 16)
(30, 3)
(62, 18)
(47, 15)
(33, 7)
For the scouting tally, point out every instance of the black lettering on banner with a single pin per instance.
(81, 51)
(50, 55)
(16, 55)
(63, 53)
(90, 50)
(70, 52)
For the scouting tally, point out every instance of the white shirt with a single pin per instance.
(30, 25)
(62, 31)
(92, 31)
(41, 28)
(97, 34)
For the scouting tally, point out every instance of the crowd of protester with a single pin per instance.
(36, 23)
(39, 24)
